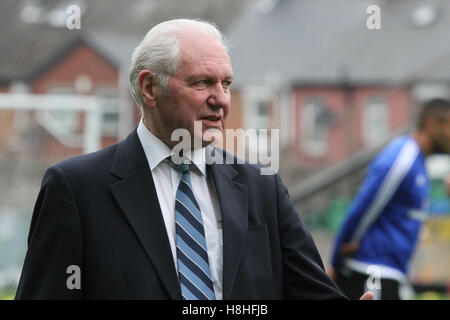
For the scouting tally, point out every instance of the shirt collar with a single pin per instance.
(156, 150)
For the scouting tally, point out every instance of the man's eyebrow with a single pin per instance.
(230, 76)
(208, 76)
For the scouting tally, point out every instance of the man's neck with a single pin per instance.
(151, 128)
(423, 141)
(195, 145)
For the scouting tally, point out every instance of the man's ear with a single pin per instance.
(147, 86)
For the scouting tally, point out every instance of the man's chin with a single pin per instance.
(205, 141)
(206, 135)
(212, 136)
(439, 149)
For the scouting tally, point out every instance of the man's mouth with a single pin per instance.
(212, 120)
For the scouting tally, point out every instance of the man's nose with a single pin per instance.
(220, 96)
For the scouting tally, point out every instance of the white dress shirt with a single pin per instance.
(167, 179)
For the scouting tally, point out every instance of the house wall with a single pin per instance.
(334, 99)
(345, 134)
(6, 126)
(399, 103)
(83, 60)
(235, 117)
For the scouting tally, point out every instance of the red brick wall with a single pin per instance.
(6, 126)
(82, 60)
(235, 119)
(335, 100)
(399, 104)
(6, 130)
(345, 136)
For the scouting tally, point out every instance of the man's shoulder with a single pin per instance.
(90, 162)
(400, 147)
(250, 169)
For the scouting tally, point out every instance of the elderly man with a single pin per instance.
(131, 223)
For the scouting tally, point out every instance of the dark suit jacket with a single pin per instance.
(100, 211)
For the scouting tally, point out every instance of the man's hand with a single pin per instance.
(367, 296)
(330, 272)
(348, 249)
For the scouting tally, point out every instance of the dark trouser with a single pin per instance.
(354, 284)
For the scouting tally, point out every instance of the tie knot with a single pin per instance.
(183, 168)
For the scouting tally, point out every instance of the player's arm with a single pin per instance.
(347, 240)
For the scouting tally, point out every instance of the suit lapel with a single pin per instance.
(137, 197)
(233, 198)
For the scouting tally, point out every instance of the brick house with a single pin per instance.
(41, 56)
(332, 86)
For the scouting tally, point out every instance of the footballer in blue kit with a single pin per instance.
(378, 236)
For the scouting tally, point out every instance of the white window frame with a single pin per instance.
(112, 95)
(311, 143)
(375, 120)
(253, 98)
(69, 119)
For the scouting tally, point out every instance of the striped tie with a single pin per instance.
(192, 256)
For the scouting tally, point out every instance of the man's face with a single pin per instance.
(441, 136)
(199, 89)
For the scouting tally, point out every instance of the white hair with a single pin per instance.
(159, 52)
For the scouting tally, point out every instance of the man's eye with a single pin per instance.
(226, 84)
(202, 83)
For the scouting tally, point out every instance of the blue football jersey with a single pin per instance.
(386, 215)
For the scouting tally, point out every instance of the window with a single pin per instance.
(374, 121)
(315, 121)
(257, 105)
(261, 119)
(68, 119)
(110, 114)
(257, 101)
